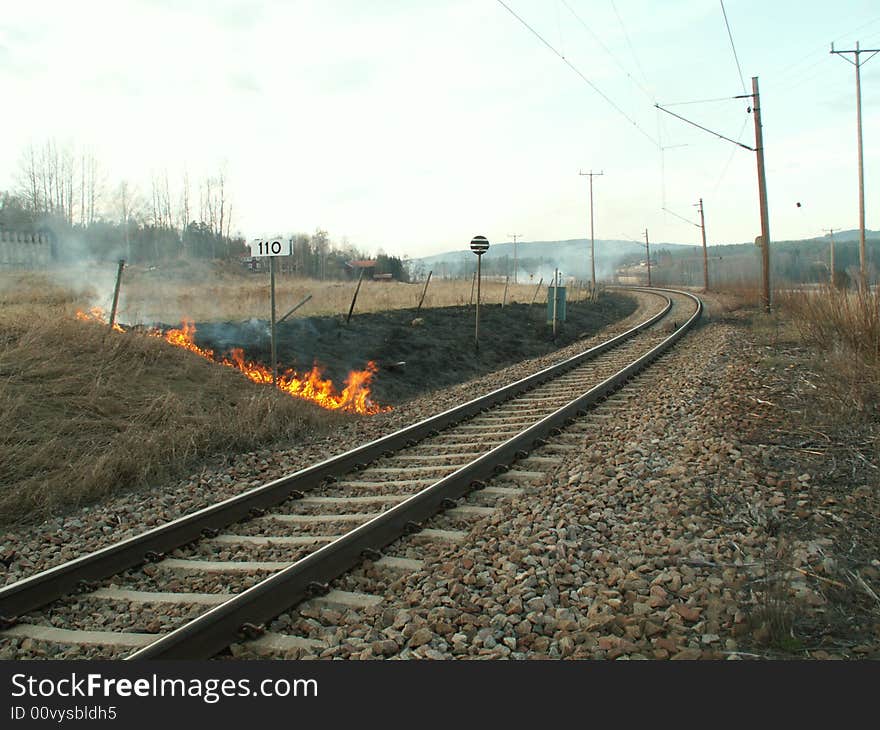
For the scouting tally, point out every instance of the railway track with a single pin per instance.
(194, 586)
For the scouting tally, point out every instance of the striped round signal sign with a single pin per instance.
(479, 245)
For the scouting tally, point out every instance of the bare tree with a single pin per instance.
(184, 210)
(125, 203)
(29, 180)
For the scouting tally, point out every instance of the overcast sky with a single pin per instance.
(412, 125)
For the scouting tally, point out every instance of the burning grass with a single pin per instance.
(310, 386)
(85, 412)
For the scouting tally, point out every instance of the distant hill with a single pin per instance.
(539, 258)
(851, 235)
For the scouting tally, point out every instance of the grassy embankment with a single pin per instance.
(85, 413)
(822, 407)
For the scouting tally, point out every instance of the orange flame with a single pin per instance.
(183, 337)
(311, 386)
(96, 314)
(355, 396)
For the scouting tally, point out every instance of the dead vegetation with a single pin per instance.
(820, 408)
(85, 412)
(223, 292)
(838, 320)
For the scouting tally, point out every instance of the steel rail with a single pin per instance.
(42, 588)
(221, 626)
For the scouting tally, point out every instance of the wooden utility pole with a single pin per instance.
(119, 269)
(762, 194)
(830, 232)
(648, 250)
(858, 63)
(514, 236)
(592, 236)
(705, 255)
(764, 239)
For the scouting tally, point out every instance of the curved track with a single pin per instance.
(324, 520)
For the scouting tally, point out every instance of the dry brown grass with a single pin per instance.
(228, 292)
(844, 326)
(85, 412)
(836, 319)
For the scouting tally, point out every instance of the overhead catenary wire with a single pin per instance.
(578, 72)
(610, 54)
(729, 159)
(733, 47)
(629, 42)
(821, 51)
(700, 101)
(681, 217)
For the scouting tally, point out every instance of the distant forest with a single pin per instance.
(807, 262)
(64, 193)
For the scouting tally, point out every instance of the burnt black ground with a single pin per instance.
(437, 352)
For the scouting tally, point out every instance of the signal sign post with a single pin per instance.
(479, 245)
(271, 248)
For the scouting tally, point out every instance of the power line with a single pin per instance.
(629, 42)
(822, 48)
(681, 217)
(735, 56)
(730, 158)
(701, 101)
(578, 72)
(610, 54)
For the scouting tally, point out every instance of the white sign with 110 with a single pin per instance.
(270, 247)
